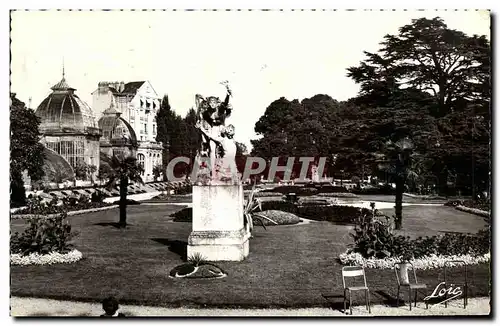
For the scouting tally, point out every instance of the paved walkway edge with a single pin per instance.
(47, 307)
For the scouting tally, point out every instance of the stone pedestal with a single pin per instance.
(218, 226)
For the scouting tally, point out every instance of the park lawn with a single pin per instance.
(433, 220)
(288, 266)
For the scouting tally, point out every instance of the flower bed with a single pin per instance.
(427, 262)
(280, 217)
(480, 204)
(37, 207)
(70, 213)
(473, 211)
(322, 212)
(267, 194)
(46, 259)
(201, 271)
(338, 194)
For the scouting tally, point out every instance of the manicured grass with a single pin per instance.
(434, 220)
(288, 266)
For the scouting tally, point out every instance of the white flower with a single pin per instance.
(48, 259)
(429, 262)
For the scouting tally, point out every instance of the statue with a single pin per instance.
(217, 144)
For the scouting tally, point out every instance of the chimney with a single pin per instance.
(103, 87)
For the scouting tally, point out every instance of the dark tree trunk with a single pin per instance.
(399, 203)
(123, 202)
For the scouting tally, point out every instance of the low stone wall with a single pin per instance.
(473, 210)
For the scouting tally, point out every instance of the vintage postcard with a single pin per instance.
(330, 163)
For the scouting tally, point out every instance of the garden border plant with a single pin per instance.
(37, 206)
(376, 246)
(197, 267)
(46, 240)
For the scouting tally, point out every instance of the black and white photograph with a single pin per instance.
(250, 163)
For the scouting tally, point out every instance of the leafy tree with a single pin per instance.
(429, 56)
(124, 169)
(175, 135)
(241, 149)
(26, 151)
(432, 77)
(193, 136)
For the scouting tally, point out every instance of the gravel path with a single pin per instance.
(45, 307)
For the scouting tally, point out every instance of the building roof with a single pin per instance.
(132, 87)
(115, 129)
(63, 110)
(56, 168)
(62, 86)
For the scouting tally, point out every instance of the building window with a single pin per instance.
(146, 128)
(154, 129)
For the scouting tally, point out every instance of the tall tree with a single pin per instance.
(435, 78)
(26, 151)
(427, 55)
(172, 132)
(123, 170)
(193, 136)
(399, 157)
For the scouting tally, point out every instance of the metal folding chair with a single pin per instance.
(354, 271)
(402, 276)
(464, 284)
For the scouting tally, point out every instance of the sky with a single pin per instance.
(263, 54)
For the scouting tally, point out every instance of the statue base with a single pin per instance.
(218, 226)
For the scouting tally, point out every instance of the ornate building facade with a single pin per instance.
(136, 104)
(68, 126)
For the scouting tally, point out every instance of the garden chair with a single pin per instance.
(464, 284)
(404, 281)
(352, 272)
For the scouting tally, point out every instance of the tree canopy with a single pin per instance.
(26, 151)
(428, 83)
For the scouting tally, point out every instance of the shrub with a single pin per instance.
(184, 189)
(372, 237)
(184, 215)
(332, 189)
(482, 204)
(97, 196)
(375, 239)
(331, 213)
(128, 201)
(73, 203)
(43, 236)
